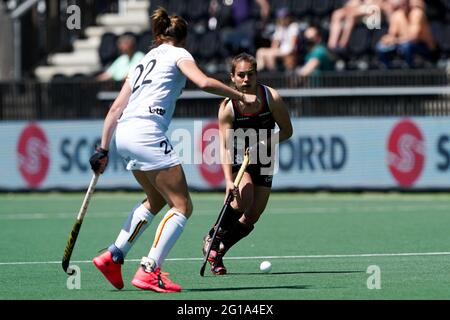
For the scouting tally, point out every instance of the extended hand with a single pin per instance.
(251, 100)
(99, 160)
(231, 188)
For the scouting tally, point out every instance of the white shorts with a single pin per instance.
(142, 148)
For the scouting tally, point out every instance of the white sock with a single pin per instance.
(136, 223)
(169, 230)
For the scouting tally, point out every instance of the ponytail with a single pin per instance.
(160, 22)
(168, 28)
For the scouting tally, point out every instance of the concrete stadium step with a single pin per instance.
(77, 58)
(89, 44)
(45, 73)
(98, 31)
(125, 20)
(137, 6)
(85, 58)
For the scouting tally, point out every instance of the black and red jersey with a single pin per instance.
(262, 119)
(258, 123)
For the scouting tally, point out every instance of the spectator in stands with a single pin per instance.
(317, 58)
(128, 60)
(344, 19)
(284, 44)
(409, 34)
(237, 24)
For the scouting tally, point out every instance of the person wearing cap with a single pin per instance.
(284, 44)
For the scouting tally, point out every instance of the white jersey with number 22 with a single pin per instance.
(156, 83)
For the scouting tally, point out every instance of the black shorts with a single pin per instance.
(254, 170)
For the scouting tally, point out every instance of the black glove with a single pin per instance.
(99, 160)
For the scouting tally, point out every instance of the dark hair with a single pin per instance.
(165, 27)
(318, 28)
(243, 57)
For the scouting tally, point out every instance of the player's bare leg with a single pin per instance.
(110, 262)
(171, 185)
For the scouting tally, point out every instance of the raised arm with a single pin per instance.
(190, 69)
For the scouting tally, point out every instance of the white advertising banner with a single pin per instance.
(328, 153)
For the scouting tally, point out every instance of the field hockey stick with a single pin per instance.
(76, 227)
(230, 196)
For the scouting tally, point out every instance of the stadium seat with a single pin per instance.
(322, 7)
(339, 4)
(445, 41)
(144, 41)
(436, 10)
(192, 44)
(172, 6)
(437, 29)
(196, 10)
(80, 77)
(108, 50)
(177, 7)
(359, 41)
(300, 8)
(276, 4)
(58, 77)
(154, 4)
(376, 35)
(209, 45)
(446, 3)
(256, 12)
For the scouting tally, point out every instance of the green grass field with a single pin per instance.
(320, 246)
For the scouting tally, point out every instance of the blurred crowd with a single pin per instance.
(304, 48)
(302, 37)
(408, 32)
(400, 36)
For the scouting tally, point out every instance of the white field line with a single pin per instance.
(281, 197)
(325, 256)
(301, 210)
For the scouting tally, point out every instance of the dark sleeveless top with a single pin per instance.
(253, 122)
